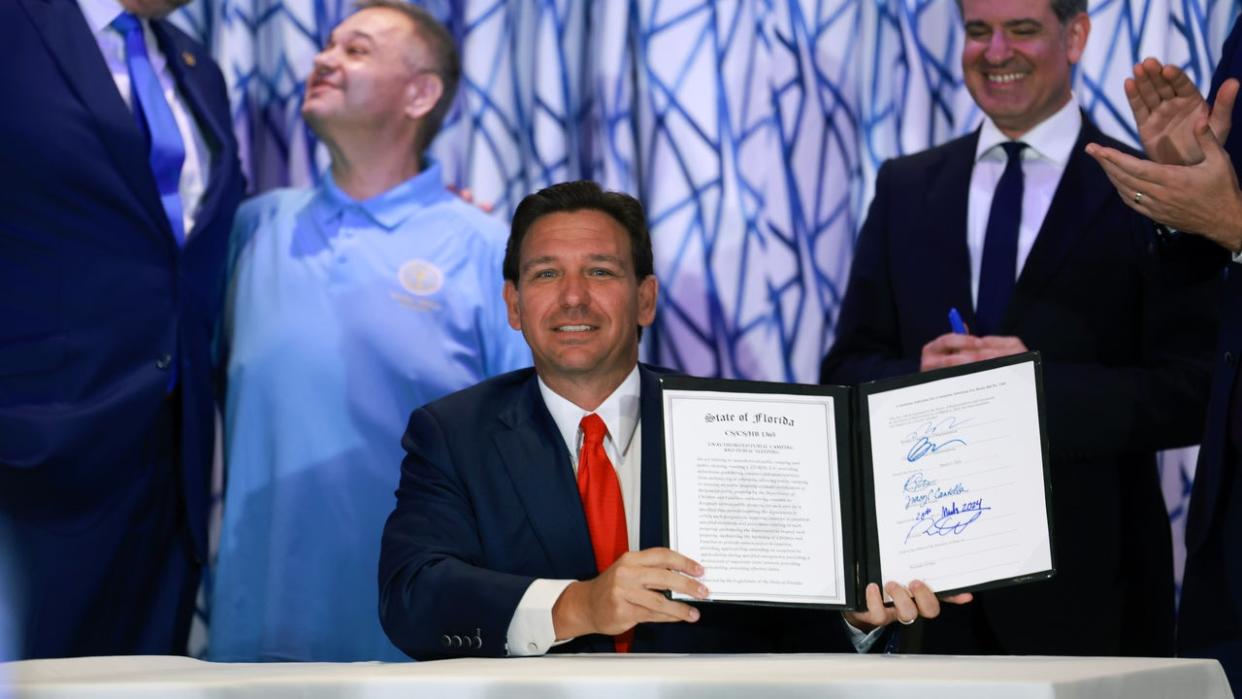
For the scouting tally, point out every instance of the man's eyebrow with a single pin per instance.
(351, 34)
(543, 260)
(601, 257)
(1007, 24)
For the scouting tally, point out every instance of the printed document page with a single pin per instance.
(754, 494)
(959, 480)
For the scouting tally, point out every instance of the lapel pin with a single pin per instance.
(188, 58)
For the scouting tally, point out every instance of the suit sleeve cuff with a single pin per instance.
(862, 641)
(530, 629)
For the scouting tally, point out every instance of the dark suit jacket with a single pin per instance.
(96, 299)
(1126, 362)
(488, 502)
(1216, 500)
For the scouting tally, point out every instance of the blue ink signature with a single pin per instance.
(946, 424)
(931, 492)
(925, 446)
(953, 520)
(916, 482)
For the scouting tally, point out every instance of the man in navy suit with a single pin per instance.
(1125, 358)
(111, 278)
(1192, 186)
(494, 547)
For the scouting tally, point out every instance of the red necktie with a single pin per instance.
(601, 501)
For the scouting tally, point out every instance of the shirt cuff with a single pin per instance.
(862, 641)
(530, 630)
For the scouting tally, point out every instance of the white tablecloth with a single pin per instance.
(608, 676)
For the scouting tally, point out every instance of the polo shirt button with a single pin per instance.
(164, 361)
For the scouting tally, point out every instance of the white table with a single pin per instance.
(608, 676)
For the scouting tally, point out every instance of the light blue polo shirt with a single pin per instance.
(342, 317)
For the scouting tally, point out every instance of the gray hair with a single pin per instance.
(1065, 10)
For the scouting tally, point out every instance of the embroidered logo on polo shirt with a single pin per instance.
(420, 277)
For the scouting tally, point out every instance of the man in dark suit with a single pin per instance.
(119, 177)
(497, 548)
(1192, 186)
(1055, 264)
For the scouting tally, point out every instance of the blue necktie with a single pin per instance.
(1000, 245)
(155, 118)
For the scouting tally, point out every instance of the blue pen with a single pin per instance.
(955, 322)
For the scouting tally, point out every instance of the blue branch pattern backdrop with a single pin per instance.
(750, 129)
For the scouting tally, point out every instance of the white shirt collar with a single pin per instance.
(619, 412)
(1052, 139)
(100, 13)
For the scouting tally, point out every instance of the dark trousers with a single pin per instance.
(1208, 617)
(118, 576)
(1208, 623)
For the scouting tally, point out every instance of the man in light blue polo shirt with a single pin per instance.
(350, 305)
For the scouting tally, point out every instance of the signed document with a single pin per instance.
(957, 475)
(755, 490)
(801, 495)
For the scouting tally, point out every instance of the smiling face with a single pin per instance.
(364, 75)
(578, 301)
(1017, 60)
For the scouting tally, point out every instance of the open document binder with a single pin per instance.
(800, 495)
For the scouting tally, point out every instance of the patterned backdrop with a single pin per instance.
(751, 130)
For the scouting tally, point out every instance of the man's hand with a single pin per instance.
(466, 195)
(1168, 109)
(1001, 346)
(955, 349)
(1201, 198)
(629, 593)
(909, 603)
(950, 349)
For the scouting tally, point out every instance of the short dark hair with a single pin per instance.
(1065, 10)
(568, 197)
(446, 63)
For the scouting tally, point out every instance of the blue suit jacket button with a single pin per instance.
(163, 362)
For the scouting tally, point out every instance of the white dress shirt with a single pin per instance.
(530, 630)
(99, 15)
(1043, 162)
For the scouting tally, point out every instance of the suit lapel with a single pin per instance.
(539, 467)
(944, 237)
(1079, 195)
(71, 44)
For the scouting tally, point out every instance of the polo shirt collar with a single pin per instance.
(389, 209)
